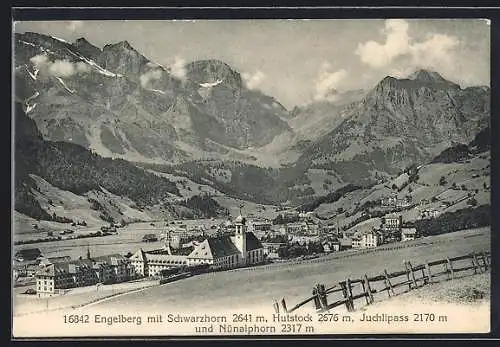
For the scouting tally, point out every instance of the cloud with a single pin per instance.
(178, 68)
(62, 68)
(40, 61)
(436, 48)
(149, 76)
(82, 67)
(327, 82)
(74, 25)
(252, 81)
(396, 43)
(435, 51)
(58, 68)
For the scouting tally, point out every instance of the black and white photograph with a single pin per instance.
(250, 177)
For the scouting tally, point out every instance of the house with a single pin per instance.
(345, 243)
(404, 202)
(295, 228)
(151, 263)
(113, 268)
(51, 260)
(389, 201)
(28, 254)
(399, 182)
(175, 238)
(54, 277)
(394, 201)
(272, 243)
(429, 213)
(408, 234)
(392, 222)
(370, 239)
(260, 226)
(331, 246)
(356, 242)
(150, 238)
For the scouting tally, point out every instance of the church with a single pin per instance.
(220, 252)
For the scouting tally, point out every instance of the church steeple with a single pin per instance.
(240, 237)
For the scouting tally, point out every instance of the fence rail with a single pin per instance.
(352, 289)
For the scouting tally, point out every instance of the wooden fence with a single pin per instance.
(409, 278)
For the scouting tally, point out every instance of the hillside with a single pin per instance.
(443, 187)
(101, 109)
(401, 122)
(48, 171)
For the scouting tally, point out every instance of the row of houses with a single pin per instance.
(54, 276)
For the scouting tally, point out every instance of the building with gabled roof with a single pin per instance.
(53, 276)
(151, 263)
(227, 251)
(408, 234)
(28, 254)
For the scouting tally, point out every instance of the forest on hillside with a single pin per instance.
(73, 168)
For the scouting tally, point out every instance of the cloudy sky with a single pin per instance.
(298, 61)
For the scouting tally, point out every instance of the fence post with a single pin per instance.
(344, 294)
(276, 306)
(412, 274)
(388, 284)
(488, 259)
(368, 290)
(365, 292)
(317, 304)
(323, 301)
(450, 267)
(407, 274)
(349, 293)
(485, 261)
(423, 276)
(429, 273)
(283, 305)
(475, 262)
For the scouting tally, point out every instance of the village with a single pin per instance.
(209, 246)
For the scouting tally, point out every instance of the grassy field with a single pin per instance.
(129, 239)
(26, 304)
(294, 281)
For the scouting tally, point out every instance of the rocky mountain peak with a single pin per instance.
(212, 71)
(119, 45)
(86, 48)
(427, 76)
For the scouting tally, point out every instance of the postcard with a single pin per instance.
(251, 177)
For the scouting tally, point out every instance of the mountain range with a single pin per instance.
(201, 121)
(118, 103)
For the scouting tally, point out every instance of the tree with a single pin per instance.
(340, 210)
(454, 186)
(394, 186)
(472, 202)
(442, 181)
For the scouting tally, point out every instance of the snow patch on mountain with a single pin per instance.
(28, 43)
(101, 70)
(156, 91)
(65, 86)
(210, 85)
(32, 75)
(29, 108)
